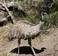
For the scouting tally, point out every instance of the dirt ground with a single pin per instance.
(44, 45)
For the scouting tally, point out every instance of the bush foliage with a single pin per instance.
(29, 6)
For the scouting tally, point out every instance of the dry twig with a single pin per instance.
(12, 18)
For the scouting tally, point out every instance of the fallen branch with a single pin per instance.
(12, 18)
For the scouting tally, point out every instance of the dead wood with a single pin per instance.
(12, 17)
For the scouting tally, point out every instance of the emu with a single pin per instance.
(23, 29)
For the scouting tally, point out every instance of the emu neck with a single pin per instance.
(34, 30)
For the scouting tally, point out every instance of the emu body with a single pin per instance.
(23, 29)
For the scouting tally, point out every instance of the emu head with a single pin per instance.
(42, 15)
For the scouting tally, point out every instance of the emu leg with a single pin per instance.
(29, 42)
(19, 40)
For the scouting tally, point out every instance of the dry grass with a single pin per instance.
(4, 54)
(4, 31)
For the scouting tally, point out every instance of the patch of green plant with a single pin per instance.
(50, 20)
